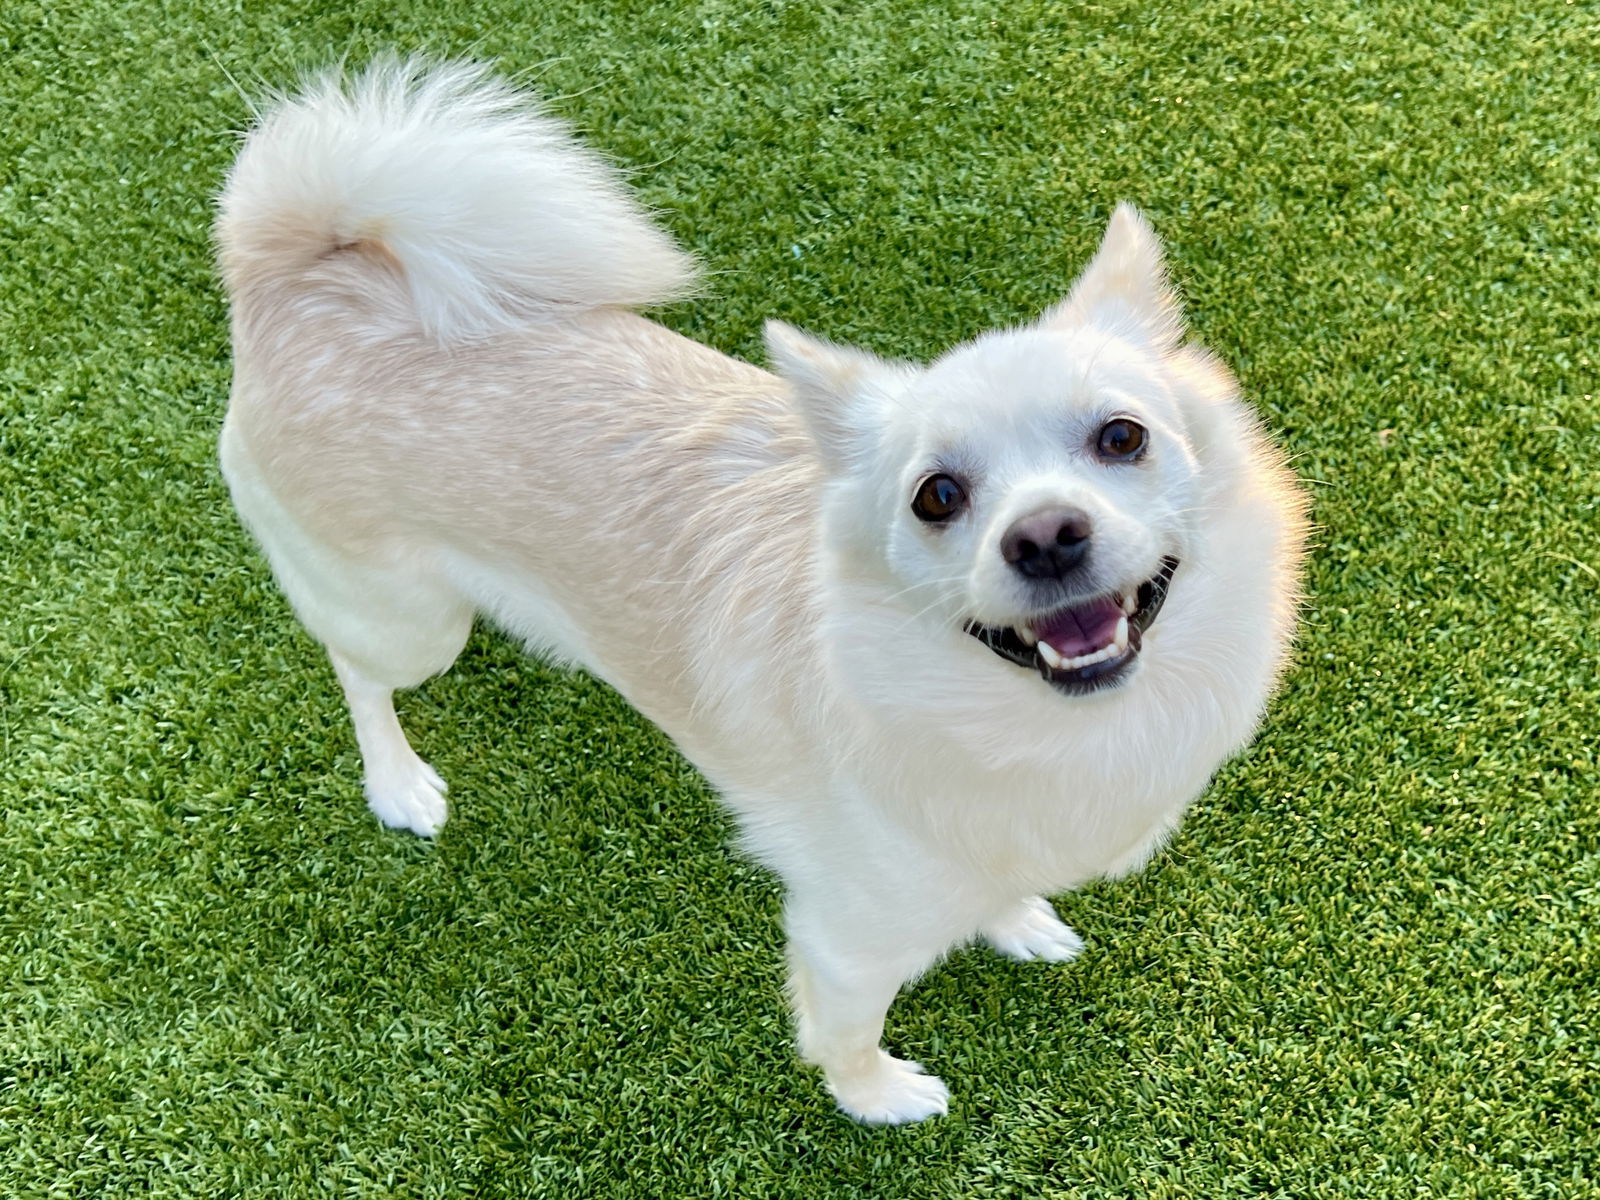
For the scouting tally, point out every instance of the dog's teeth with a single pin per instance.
(1028, 636)
(1088, 660)
(1129, 605)
(1059, 662)
(1110, 650)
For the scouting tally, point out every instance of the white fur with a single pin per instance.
(493, 209)
(441, 408)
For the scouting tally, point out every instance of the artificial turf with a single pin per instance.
(1365, 967)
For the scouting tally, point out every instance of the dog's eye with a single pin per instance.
(1121, 439)
(938, 498)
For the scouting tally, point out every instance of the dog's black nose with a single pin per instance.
(1049, 543)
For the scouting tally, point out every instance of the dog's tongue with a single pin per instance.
(1074, 632)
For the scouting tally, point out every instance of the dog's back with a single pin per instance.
(435, 357)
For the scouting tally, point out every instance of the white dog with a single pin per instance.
(944, 637)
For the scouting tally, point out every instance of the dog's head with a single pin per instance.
(1036, 488)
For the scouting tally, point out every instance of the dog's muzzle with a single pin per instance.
(1083, 647)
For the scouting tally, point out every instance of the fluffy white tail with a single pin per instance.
(490, 209)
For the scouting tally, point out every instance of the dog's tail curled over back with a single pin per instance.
(482, 208)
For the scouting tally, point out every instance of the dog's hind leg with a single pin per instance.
(384, 627)
(402, 790)
(388, 620)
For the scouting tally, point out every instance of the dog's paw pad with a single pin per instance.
(893, 1092)
(410, 797)
(1032, 932)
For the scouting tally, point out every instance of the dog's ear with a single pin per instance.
(1125, 288)
(841, 391)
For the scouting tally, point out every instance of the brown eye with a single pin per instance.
(938, 498)
(1121, 439)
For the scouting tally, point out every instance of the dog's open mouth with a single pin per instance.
(1083, 646)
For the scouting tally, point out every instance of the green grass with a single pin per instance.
(1365, 968)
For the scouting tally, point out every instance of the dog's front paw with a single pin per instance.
(408, 795)
(892, 1091)
(1032, 931)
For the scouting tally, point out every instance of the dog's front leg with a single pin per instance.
(844, 974)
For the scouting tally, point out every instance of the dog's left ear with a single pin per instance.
(1125, 288)
(841, 391)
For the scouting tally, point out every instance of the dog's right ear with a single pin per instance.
(841, 392)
